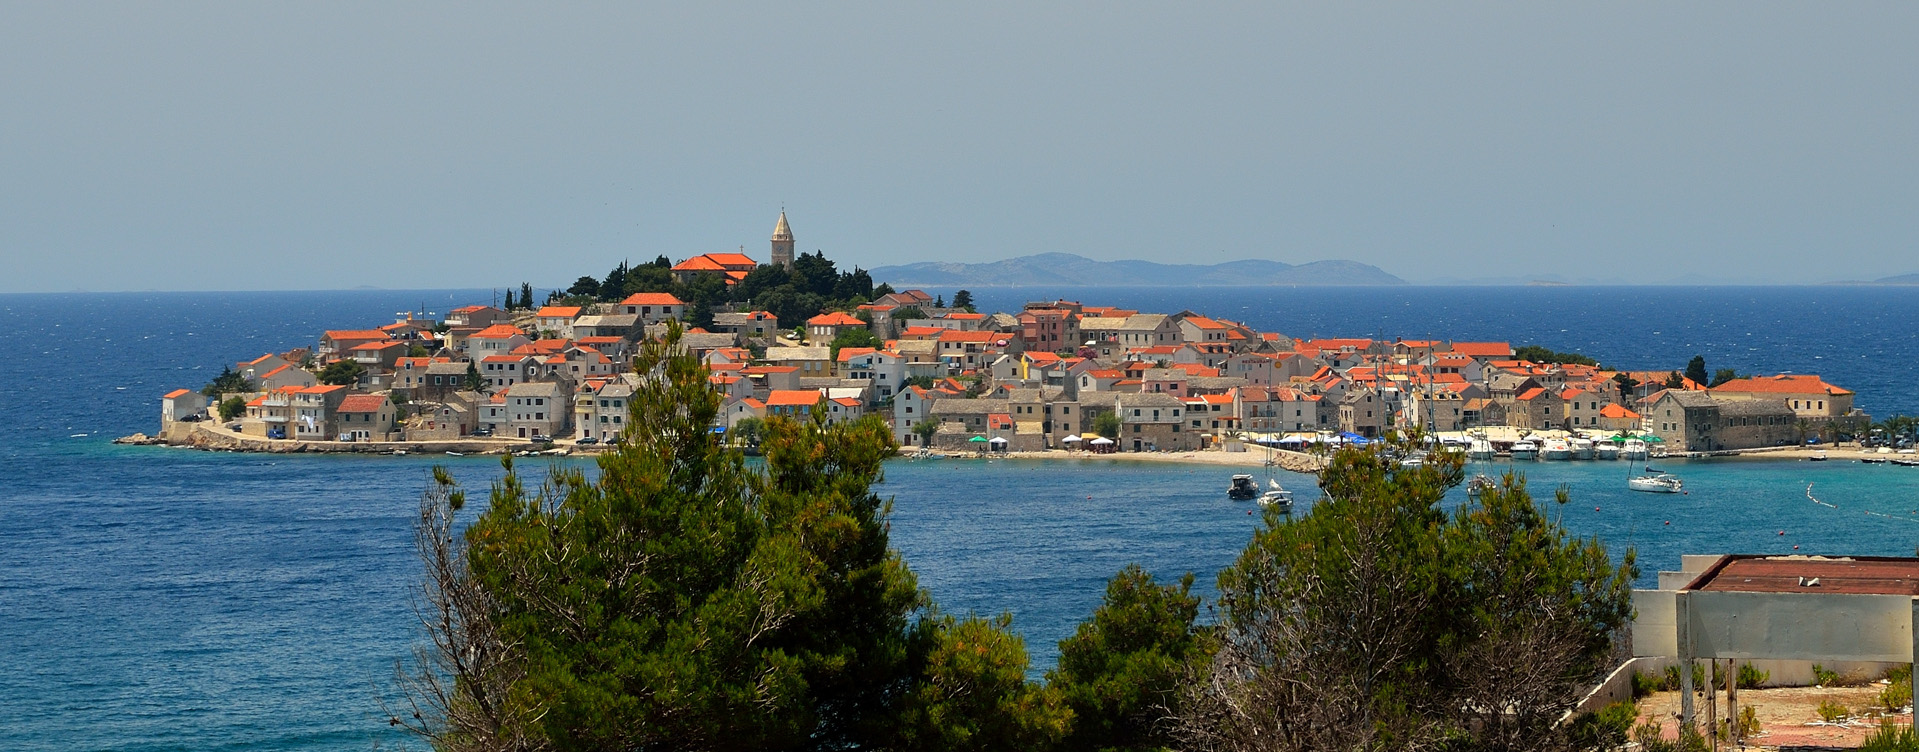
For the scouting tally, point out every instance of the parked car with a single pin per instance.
(482, 432)
(588, 440)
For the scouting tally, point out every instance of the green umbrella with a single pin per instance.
(977, 438)
(1620, 439)
(1654, 439)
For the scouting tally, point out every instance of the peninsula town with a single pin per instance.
(805, 339)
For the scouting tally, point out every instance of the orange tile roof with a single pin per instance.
(954, 335)
(355, 334)
(1532, 393)
(498, 331)
(699, 264)
(793, 397)
(554, 312)
(257, 401)
(771, 369)
(849, 353)
(362, 403)
(922, 331)
(1204, 323)
(177, 393)
(834, 318)
(1782, 384)
(964, 316)
(652, 298)
(370, 346)
(847, 401)
(1616, 411)
(1483, 349)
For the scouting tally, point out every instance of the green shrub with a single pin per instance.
(1698, 678)
(1823, 677)
(1832, 712)
(1898, 691)
(1751, 678)
(1892, 737)
(1607, 728)
(1645, 684)
(1748, 721)
(1647, 735)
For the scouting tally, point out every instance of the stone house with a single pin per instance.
(1153, 422)
(365, 417)
(1538, 408)
(823, 328)
(537, 409)
(1809, 396)
(653, 307)
(557, 320)
(1362, 412)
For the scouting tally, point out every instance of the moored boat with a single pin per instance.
(1276, 496)
(1525, 450)
(1556, 449)
(1634, 450)
(1582, 448)
(1656, 481)
(1606, 451)
(1242, 488)
(1479, 449)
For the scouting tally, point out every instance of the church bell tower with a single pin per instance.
(783, 243)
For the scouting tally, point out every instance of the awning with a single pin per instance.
(1070, 439)
(998, 440)
(977, 438)
(1102, 441)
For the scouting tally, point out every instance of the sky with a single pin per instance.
(259, 146)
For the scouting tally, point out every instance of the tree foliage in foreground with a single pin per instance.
(1381, 621)
(685, 601)
(1123, 671)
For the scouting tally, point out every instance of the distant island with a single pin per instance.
(1903, 279)
(1067, 270)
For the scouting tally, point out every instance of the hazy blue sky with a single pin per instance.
(277, 145)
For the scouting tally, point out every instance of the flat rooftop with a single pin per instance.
(1860, 575)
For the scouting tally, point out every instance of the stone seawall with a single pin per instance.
(210, 437)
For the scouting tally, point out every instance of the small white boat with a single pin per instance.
(1525, 450)
(1556, 449)
(1242, 488)
(1656, 481)
(1582, 449)
(1634, 450)
(1276, 496)
(1606, 451)
(1819, 457)
(1479, 485)
(1479, 449)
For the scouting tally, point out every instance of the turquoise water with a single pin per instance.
(156, 599)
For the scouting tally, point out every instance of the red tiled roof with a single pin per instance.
(350, 334)
(1782, 384)
(1532, 393)
(652, 298)
(793, 397)
(699, 264)
(954, 335)
(178, 393)
(498, 331)
(554, 312)
(1483, 349)
(1616, 411)
(362, 403)
(834, 318)
(849, 353)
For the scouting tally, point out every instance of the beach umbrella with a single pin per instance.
(998, 440)
(977, 438)
(1071, 439)
(1102, 441)
(1651, 438)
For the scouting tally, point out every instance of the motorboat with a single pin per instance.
(1556, 449)
(1525, 450)
(1242, 488)
(1480, 484)
(1479, 449)
(1820, 457)
(1634, 450)
(1276, 496)
(1606, 451)
(1582, 448)
(1656, 481)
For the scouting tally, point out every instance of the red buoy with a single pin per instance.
(1795, 548)
(1782, 532)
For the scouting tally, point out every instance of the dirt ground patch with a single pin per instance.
(1788, 716)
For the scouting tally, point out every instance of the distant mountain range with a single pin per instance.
(1068, 270)
(1903, 279)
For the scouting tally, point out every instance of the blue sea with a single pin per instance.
(162, 599)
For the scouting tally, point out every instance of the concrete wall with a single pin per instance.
(1654, 629)
(1788, 626)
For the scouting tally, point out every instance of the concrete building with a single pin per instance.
(536, 409)
(365, 417)
(181, 404)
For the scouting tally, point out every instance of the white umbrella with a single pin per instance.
(1102, 441)
(997, 440)
(1071, 439)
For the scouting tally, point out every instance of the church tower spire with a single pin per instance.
(783, 243)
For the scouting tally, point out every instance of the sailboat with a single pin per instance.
(1276, 496)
